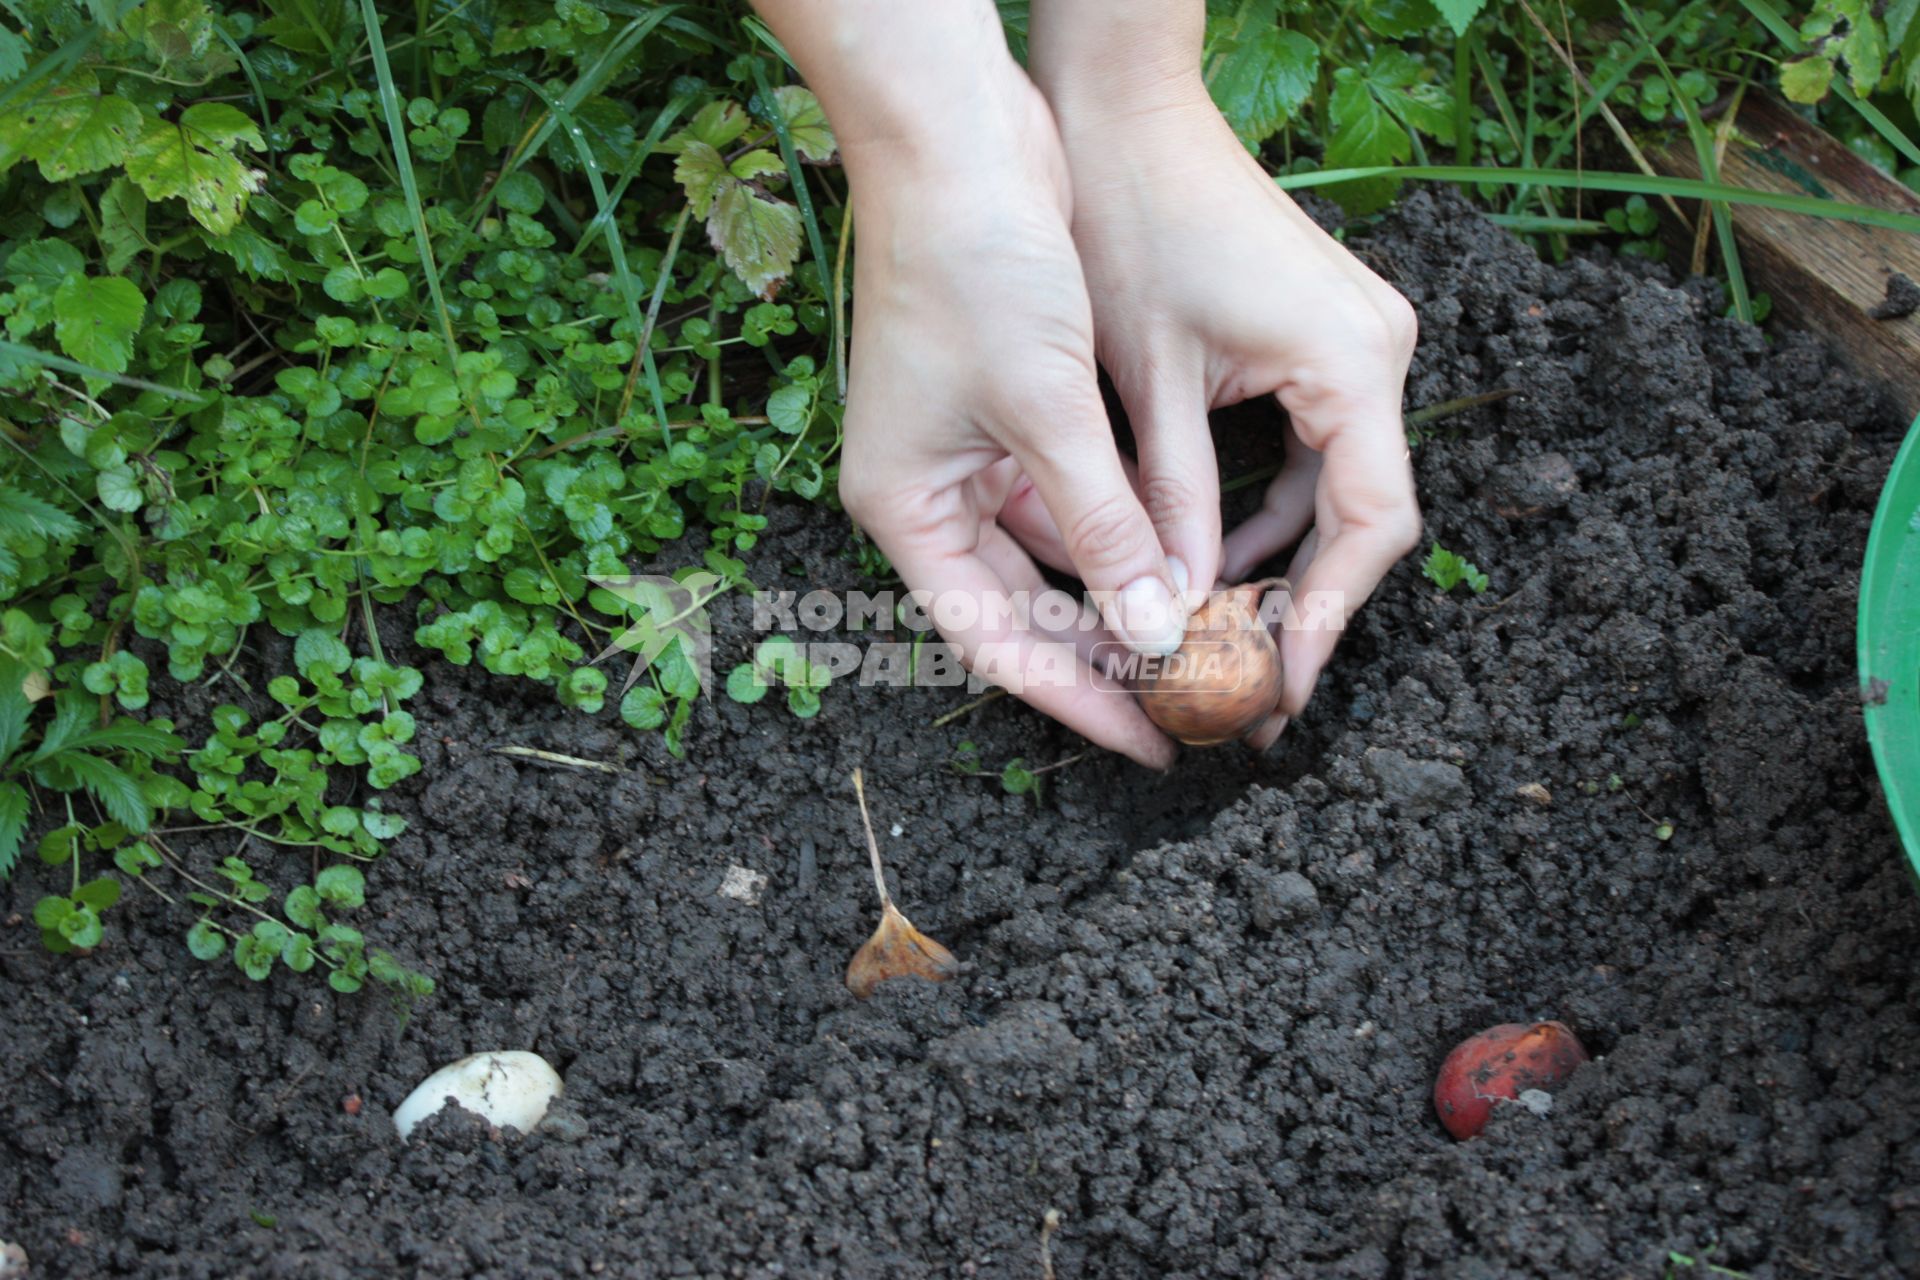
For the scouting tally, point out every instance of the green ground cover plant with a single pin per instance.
(466, 307)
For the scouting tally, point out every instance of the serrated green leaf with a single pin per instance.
(806, 123)
(116, 790)
(1398, 19)
(44, 264)
(192, 158)
(1401, 85)
(13, 824)
(179, 34)
(700, 169)
(716, 124)
(758, 237)
(1459, 13)
(604, 126)
(123, 223)
(1806, 80)
(70, 130)
(757, 163)
(13, 56)
(1260, 81)
(1865, 44)
(96, 318)
(22, 514)
(1365, 135)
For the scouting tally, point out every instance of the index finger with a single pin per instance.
(1366, 519)
(945, 554)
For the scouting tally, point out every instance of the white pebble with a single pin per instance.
(743, 884)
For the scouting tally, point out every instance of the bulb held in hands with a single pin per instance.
(1224, 681)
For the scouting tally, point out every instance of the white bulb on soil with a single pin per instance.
(507, 1089)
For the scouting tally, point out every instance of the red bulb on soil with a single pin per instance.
(1499, 1065)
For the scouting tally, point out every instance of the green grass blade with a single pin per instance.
(1533, 224)
(616, 247)
(631, 169)
(589, 81)
(246, 65)
(1626, 183)
(48, 360)
(1704, 151)
(770, 107)
(629, 286)
(409, 184)
(1782, 30)
(764, 34)
(1463, 97)
(1604, 90)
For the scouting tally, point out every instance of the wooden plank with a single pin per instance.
(1823, 275)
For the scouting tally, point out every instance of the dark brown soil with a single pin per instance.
(1202, 1013)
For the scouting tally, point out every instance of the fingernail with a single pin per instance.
(1147, 617)
(1177, 569)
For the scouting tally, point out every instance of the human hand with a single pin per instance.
(1209, 286)
(973, 389)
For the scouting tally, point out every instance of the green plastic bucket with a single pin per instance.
(1890, 641)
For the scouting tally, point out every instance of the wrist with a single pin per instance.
(904, 85)
(1106, 61)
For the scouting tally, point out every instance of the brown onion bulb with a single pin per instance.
(1224, 680)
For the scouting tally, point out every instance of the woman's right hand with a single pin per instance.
(974, 416)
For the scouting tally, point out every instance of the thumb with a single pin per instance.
(1075, 468)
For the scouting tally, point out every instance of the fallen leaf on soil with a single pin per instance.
(897, 950)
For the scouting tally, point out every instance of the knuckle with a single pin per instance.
(1402, 322)
(1051, 404)
(1170, 500)
(860, 495)
(1108, 532)
(1400, 528)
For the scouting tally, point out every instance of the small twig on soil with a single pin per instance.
(990, 695)
(1049, 1224)
(1460, 404)
(555, 758)
(873, 845)
(1047, 768)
